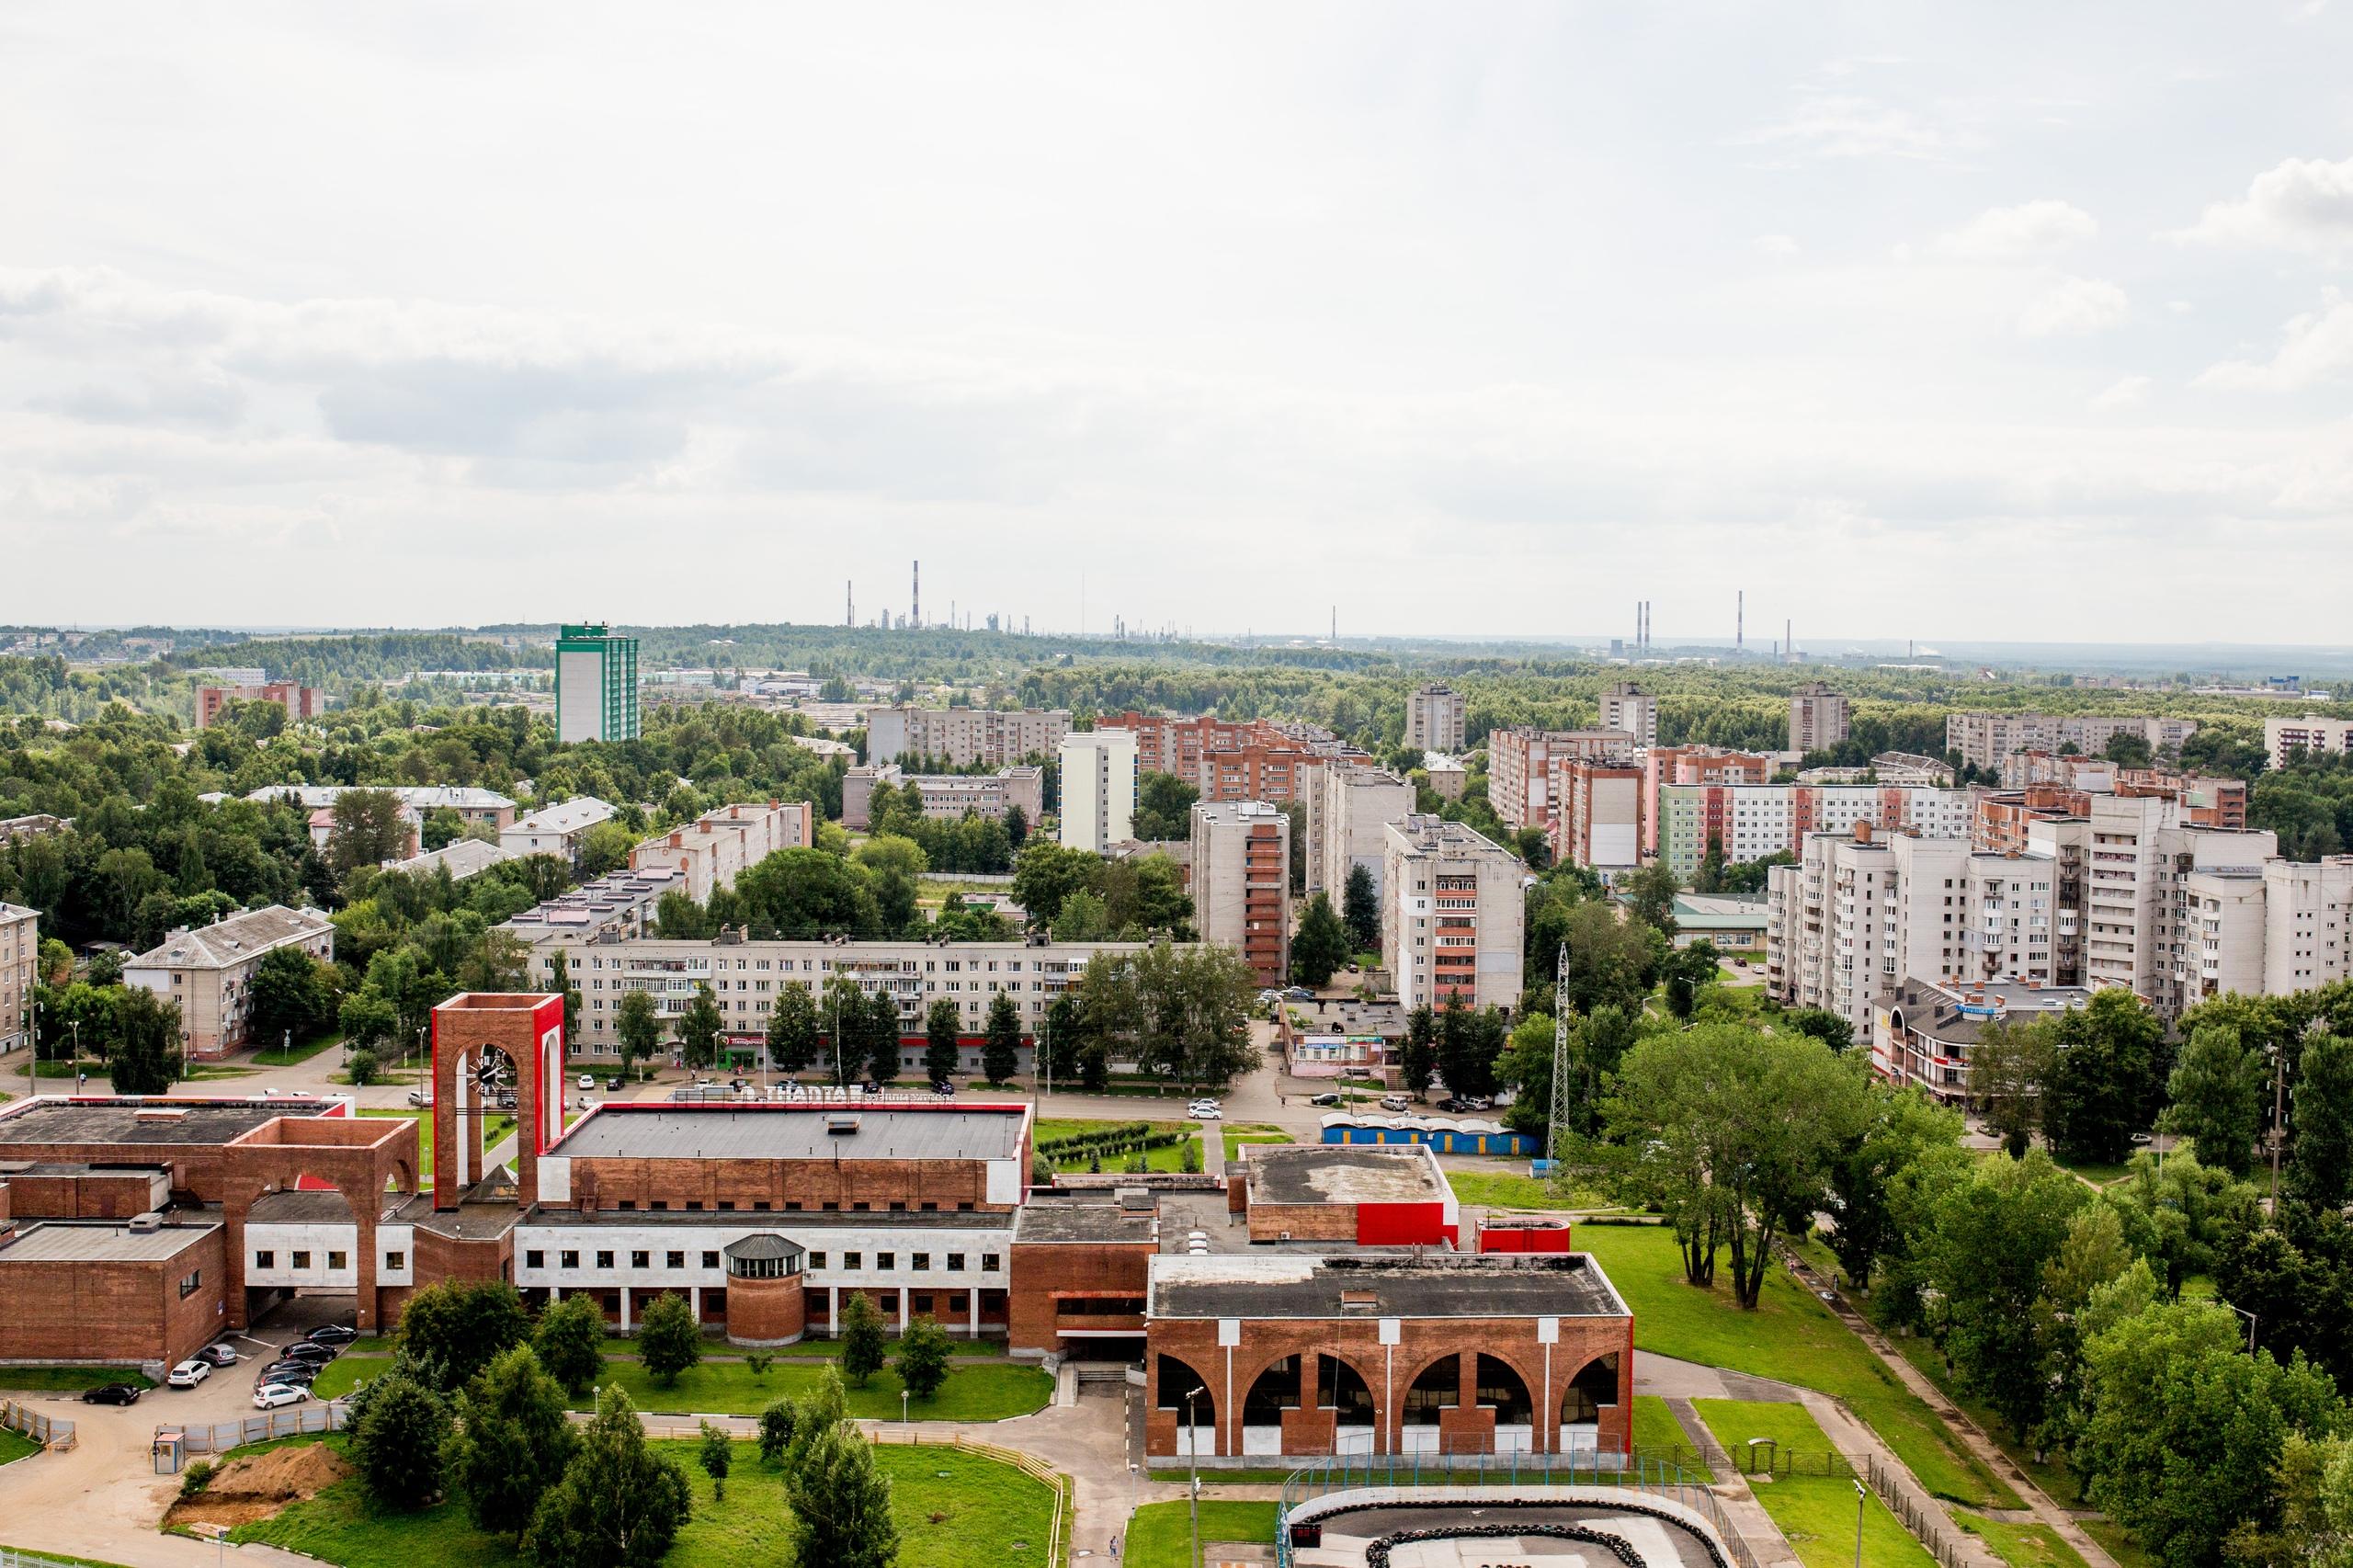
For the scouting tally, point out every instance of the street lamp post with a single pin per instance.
(906, 1427)
(1862, 1495)
(2250, 1327)
(1193, 1456)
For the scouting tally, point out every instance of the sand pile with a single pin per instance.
(260, 1484)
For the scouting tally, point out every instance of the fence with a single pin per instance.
(18, 1557)
(1951, 1547)
(49, 1431)
(1469, 1478)
(295, 1421)
(1770, 1458)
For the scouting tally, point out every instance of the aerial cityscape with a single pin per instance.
(1379, 787)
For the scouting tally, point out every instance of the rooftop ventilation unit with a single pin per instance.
(840, 1126)
(144, 1225)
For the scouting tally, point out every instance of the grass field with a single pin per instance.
(974, 1391)
(494, 1128)
(15, 1445)
(1816, 1513)
(1161, 1534)
(1168, 1158)
(2118, 1542)
(1656, 1432)
(276, 1058)
(67, 1379)
(2022, 1546)
(1790, 1337)
(953, 1510)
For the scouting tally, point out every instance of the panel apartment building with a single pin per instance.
(2318, 737)
(300, 701)
(1984, 739)
(1520, 762)
(595, 684)
(1098, 788)
(1234, 759)
(1752, 821)
(1818, 718)
(1625, 706)
(710, 852)
(1436, 718)
(1241, 882)
(1453, 919)
(946, 796)
(962, 737)
(19, 969)
(1349, 808)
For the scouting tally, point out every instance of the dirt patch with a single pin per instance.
(258, 1486)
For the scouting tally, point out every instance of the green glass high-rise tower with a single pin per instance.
(595, 684)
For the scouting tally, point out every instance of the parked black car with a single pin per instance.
(303, 1372)
(306, 1350)
(333, 1333)
(1322, 1099)
(112, 1394)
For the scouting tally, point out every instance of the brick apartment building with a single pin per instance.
(1520, 762)
(1242, 884)
(1453, 916)
(1349, 808)
(1597, 813)
(301, 702)
(1225, 759)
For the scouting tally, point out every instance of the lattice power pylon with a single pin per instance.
(1556, 1128)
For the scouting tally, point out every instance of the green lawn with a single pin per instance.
(1161, 1535)
(1510, 1189)
(2051, 1474)
(976, 1393)
(953, 1509)
(15, 1445)
(1817, 1514)
(67, 1379)
(1170, 1158)
(2118, 1542)
(493, 1129)
(1658, 1434)
(2022, 1546)
(1790, 1337)
(273, 1057)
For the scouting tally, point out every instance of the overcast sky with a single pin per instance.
(1982, 320)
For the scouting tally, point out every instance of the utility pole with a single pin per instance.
(2279, 1118)
(1556, 1130)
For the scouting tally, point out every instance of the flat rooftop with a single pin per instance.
(789, 1131)
(53, 1121)
(76, 1241)
(1090, 1219)
(1338, 1173)
(1442, 1285)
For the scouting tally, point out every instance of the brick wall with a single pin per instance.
(1046, 1271)
(946, 1184)
(95, 1195)
(1303, 1222)
(764, 1311)
(81, 1309)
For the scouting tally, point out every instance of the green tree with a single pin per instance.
(2006, 1068)
(1904, 1135)
(1163, 807)
(605, 847)
(637, 1030)
(1612, 962)
(289, 1001)
(1649, 895)
(1045, 873)
(147, 1057)
(778, 1423)
(883, 1039)
(452, 1329)
(2104, 1076)
(861, 1335)
(1320, 946)
(699, 1029)
(1001, 1052)
(2217, 1092)
(367, 1020)
(362, 1068)
(793, 1035)
(570, 1342)
(1685, 974)
(716, 1453)
(559, 974)
(368, 830)
(669, 1341)
(841, 1503)
(511, 1442)
(397, 1441)
(1417, 1058)
(942, 1031)
(2320, 1160)
(1994, 1235)
(1469, 1042)
(1361, 907)
(922, 1356)
(619, 1503)
(1081, 918)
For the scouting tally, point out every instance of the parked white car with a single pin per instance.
(1204, 1110)
(270, 1396)
(188, 1374)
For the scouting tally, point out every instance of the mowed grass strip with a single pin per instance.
(1817, 1514)
(1790, 1337)
(15, 1445)
(2022, 1545)
(953, 1509)
(1161, 1534)
(1658, 1435)
(974, 1391)
(68, 1379)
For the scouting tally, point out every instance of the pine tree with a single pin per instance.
(1320, 946)
(1361, 908)
(841, 1503)
(940, 1029)
(1001, 1055)
(1418, 1058)
(619, 1503)
(861, 1333)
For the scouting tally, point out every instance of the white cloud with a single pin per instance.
(2304, 204)
(2316, 348)
(2074, 307)
(2027, 231)
(1836, 125)
(2129, 391)
(1777, 244)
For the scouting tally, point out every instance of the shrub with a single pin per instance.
(778, 1423)
(364, 1068)
(195, 1478)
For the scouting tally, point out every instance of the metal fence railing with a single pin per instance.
(295, 1421)
(49, 1431)
(1582, 1476)
(22, 1557)
(1931, 1525)
(1766, 1457)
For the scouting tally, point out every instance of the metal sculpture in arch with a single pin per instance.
(489, 1049)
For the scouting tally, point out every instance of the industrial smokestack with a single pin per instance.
(914, 610)
(849, 605)
(1740, 620)
(1789, 641)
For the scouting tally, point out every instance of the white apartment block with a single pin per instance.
(1818, 718)
(746, 977)
(1349, 809)
(948, 797)
(963, 736)
(1628, 706)
(20, 970)
(1436, 716)
(1519, 768)
(209, 971)
(2134, 901)
(555, 830)
(2307, 924)
(710, 852)
(1753, 820)
(1447, 775)
(1453, 915)
(1984, 739)
(1099, 781)
(2330, 737)
(487, 808)
(2219, 928)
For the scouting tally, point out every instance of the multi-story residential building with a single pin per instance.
(1817, 718)
(208, 972)
(1436, 716)
(595, 684)
(20, 970)
(300, 701)
(1984, 739)
(555, 830)
(2205, 803)
(2090, 775)
(710, 852)
(483, 808)
(948, 797)
(1242, 883)
(1453, 916)
(1519, 768)
(1922, 1032)
(1447, 775)
(2315, 736)
(1625, 706)
(2307, 924)
(2002, 818)
(462, 857)
(39, 825)
(1347, 817)
(1694, 765)
(2135, 906)
(1228, 759)
(1098, 787)
(2219, 934)
(1749, 822)
(1597, 813)
(961, 737)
